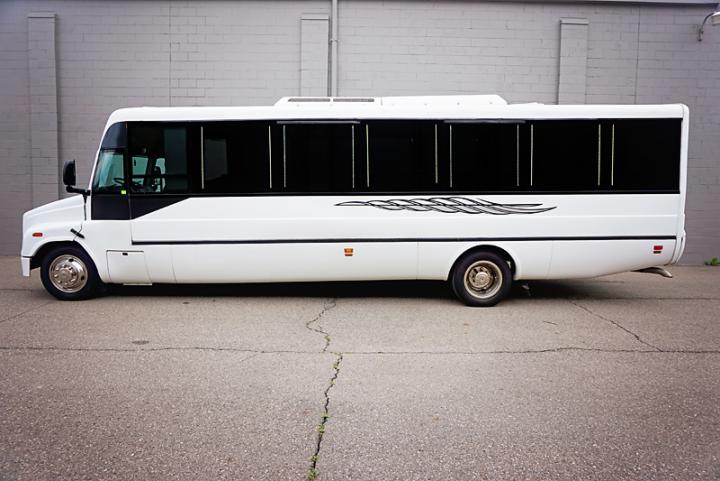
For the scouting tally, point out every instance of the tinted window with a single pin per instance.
(110, 172)
(646, 154)
(485, 156)
(318, 157)
(235, 157)
(401, 156)
(163, 152)
(565, 155)
(115, 136)
(139, 165)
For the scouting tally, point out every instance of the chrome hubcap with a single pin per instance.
(483, 279)
(68, 273)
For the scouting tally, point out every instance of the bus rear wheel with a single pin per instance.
(69, 274)
(481, 279)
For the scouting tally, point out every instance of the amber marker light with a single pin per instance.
(348, 252)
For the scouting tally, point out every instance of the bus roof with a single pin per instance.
(428, 107)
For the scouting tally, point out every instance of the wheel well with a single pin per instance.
(486, 248)
(37, 258)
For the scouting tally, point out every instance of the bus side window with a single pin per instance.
(485, 156)
(235, 157)
(159, 156)
(158, 176)
(175, 160)
(215, 168)
(645, 154)
(402, 156)
(317, 157)
(138, 171)
(565, 155)
(139, 165)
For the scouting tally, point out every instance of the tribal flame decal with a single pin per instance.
(449, 205)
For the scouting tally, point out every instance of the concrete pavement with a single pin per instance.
(610, 378)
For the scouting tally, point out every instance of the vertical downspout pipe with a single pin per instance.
(333, 87)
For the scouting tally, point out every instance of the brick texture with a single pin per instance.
(119, 53)
(314, 51)
(43, 108)
(572, 79)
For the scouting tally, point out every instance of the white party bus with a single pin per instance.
(466, 189)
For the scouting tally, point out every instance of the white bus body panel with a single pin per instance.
(294, 238)
(53, 221)
(313, 218)
(127, 267)
(376, 110)
(294, 262)
(578, 259)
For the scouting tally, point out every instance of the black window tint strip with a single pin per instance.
(414, 156)
(115, 137)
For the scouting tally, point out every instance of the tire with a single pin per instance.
(481, 279)
(69, 274)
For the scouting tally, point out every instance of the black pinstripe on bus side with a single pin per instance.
(400, 239)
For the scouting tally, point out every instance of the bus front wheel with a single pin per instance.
(481, 279)
(69, 274)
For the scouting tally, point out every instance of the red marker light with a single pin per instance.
(657, 249)
(37, 234)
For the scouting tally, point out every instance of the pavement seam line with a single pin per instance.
(150, 349)
(15, 316)
(537, 351)
(615, 323)
(373, 353)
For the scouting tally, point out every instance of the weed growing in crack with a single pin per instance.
(314, 325)
(312, 474)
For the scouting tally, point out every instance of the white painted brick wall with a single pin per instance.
(314, 55)
(15, 172)
(113, 54)
(42, 71)
(572, 81)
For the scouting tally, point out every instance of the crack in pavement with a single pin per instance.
(312, 472)
(614, 323)
(314, 323)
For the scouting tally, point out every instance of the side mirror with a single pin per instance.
(70, 179)
(68, 173)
